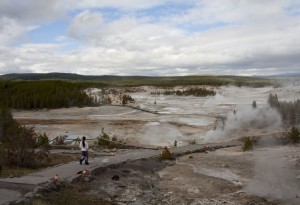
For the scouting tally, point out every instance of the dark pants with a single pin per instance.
(85, 157)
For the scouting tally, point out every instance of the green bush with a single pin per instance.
(104, 140)
(19, 147)
(175, 143)
(59, 140)
(294, 135)
(18, 143)
(127, 99)
(42, 140)
(248, 144)
(167, 154)
(192, 141)
(254, 104)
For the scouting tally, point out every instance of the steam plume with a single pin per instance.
(245, 118)
(274, 176)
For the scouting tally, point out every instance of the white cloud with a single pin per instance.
(40, 10)
(85, 24)
(233, 11)
(122, 4)
(30, 58)
(244, 37)
(17, 18)
(11, 30)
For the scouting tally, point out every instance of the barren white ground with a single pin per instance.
(180, 118)
(267, 175)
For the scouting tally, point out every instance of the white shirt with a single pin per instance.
(84, 148)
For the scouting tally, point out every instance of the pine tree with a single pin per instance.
(6, 119)
(254, 104)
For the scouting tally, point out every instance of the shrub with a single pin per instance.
(18, 143)
(192, 141)
(175, 143)
(19, 146)
(42, 140)
(167, 154)
(104, 140)
(59, 140)
(254, 104)
(127, 99)
(294, 135)
(248, 144)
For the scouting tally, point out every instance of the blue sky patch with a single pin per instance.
(48, 33)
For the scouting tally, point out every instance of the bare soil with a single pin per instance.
(223, 176)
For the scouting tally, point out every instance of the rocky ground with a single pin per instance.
(265, 176)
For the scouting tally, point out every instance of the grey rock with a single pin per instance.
(225, 165)
(29, 195)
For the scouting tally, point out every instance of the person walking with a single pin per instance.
(83, 145)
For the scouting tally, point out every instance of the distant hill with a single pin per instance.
(279, 75)
(287, 75)
(161, 81)
(63, 76)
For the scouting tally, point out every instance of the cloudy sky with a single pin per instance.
(150, 37)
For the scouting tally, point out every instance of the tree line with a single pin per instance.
(38, 94)
(199, 92)
(166, 81)
(44, 94)
(290, 111)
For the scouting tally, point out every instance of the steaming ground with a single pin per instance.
(276, 173)
(229, 176)
(265, 176)
(180, 118)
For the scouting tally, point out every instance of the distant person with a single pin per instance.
(83, 145)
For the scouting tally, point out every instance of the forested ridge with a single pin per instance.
(43, 94)
(160, 81)
(58, 90)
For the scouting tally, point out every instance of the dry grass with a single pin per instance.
(72, 195)
(17, 171)
(62, 158)
(54, 159)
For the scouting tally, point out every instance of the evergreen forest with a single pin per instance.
(290, 111)
(62, 90)
(199, 92)
(43, 94)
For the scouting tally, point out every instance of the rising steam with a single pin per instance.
(244, 119)
(160, 134)
(275, 176)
